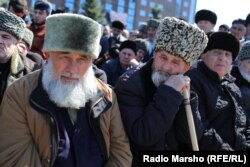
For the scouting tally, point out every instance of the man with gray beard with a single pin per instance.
(242, 74)
(149, 98)
(63, 115)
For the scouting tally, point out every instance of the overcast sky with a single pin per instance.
(226, 10)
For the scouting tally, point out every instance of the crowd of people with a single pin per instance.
(97, 95)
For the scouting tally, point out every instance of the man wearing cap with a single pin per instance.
(62, 115)
(24, 49)
(111, 41)
(42, 9)
(247, 25)
(222, 121)
(152, 25)
(149, 97)
(142, 48)
(114, 68)
(206, 20)
(242, 74)
(12, 65)
(20, 8)
(238, 29)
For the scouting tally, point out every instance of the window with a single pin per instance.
(108, 7)
(144, 2)
(152, 4)
(120, 9)
(160, 6)
(185, 4)
(69, 4)
(142, 13)
(184, 13)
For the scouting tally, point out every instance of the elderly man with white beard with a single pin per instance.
(242, 74)
(149, 98)
(62, 115)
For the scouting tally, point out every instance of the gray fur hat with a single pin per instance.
(244, 52)
(12, 24)
(69, 32)
(28, 37)
(180, 38)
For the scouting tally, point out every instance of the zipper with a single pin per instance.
(54, 127)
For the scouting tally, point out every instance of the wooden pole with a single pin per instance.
(190, 121)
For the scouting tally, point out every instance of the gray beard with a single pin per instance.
(159, 77)
(245, 75)
(69, 95)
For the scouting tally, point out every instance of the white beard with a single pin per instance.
(69, 95)
(158, 77)
(245, 75)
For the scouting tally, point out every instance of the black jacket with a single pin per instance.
(244, 86)
(148, 113)
(222, 121)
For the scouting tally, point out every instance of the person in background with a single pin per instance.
(149, 97)
(24, 48)
(142, 31)
(152, 25)
(238, 29)
(42, 9)
(206, 20)
(12, 64)
(221, 124)
(242, 74)
(114, 40)
(142, 48)
(223, 28)
(63, 115)
(114, 68)
(247, 25)
(20, 8)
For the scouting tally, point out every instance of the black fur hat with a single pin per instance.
(117, 24)
(224, 41)
(128, 44)
(206, 15)
(247, 21)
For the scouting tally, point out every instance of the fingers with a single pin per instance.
(178, 82)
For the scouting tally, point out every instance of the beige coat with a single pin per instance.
(25, 134)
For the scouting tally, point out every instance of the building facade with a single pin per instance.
(133, 12)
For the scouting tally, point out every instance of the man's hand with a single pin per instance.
(178, 82)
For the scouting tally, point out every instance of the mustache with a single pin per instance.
(74, 76)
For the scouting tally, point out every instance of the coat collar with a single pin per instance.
(146, 73)
(213, 75)
(240, 81)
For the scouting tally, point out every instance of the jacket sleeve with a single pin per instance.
(119, 154)
(147, 122)
(16, 147)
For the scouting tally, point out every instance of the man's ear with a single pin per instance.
(239, 62)
(187, 67)
(21, 48)
(203, 56)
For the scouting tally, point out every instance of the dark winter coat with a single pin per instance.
(113, 70)
(148, 112)
(28, 122)
(17, 67)
(244, 86)
(222, 121)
